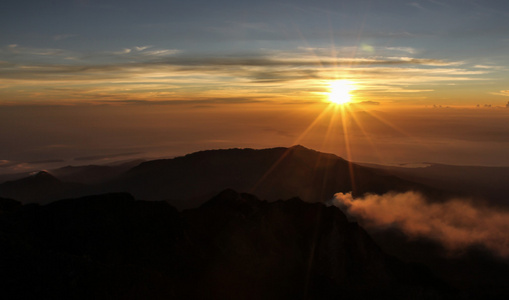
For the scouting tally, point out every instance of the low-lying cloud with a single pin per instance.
(457, 224)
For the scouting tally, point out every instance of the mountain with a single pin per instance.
(13, 176)
(233, 246)
(93, 174)
(9, 205)
(271, 174)
(188, 181)
(41, 187)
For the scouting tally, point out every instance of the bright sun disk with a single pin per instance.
(339, 91)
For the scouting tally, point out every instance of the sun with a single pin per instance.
(339, 91)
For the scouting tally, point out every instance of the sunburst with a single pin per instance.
(340, 91)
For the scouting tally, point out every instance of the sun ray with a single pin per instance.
(399, 130)
(297, 141)
(359, 124)
(347, 147)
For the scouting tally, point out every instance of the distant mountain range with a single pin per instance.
(188, 181)
(40, 187)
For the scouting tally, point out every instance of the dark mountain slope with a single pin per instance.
(9, 205)
(97, 247)
(93, 174)
(293, 250)
(271, 174)
(232, 247)
(41, 187)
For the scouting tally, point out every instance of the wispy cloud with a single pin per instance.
(7, 163)
(402, 49)
(141, 48)
(105, 157)
(27, 51)
(124, 51)
(162, 52)
(146, 71)
(502, 93)
(487, 67)
(141, 53)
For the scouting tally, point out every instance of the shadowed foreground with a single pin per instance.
(232, 247)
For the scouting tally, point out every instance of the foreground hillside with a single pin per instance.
(232, 247)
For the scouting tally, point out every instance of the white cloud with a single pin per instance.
(457, 223)
(142, 48)
(124, 51)
(162, 52)
(402, 49)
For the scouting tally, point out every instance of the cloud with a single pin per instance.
(501, 93)
(162, 52)
(257, 68)
(457, 223)
(141, 53)
(7, 163)
(143, 72)
(367, 103)
(402, 49)
(9, 166)
(142, 48)
(217, 100)
(489, 67)
(103, 157)
(125, 51)
(28, 51)
(46, 161)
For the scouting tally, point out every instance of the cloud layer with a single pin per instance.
(457, 223)
(152, 73)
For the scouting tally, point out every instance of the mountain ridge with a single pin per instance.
(272, 174)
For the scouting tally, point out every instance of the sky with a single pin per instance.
(85, 78)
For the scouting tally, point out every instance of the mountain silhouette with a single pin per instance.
(9, 205)
(93, 174)
(232, 247)
(271, 174)
(40, 187)
(188, 181)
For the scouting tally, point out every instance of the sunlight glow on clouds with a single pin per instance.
(456, 224)
(286, 49)
(167, 74)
